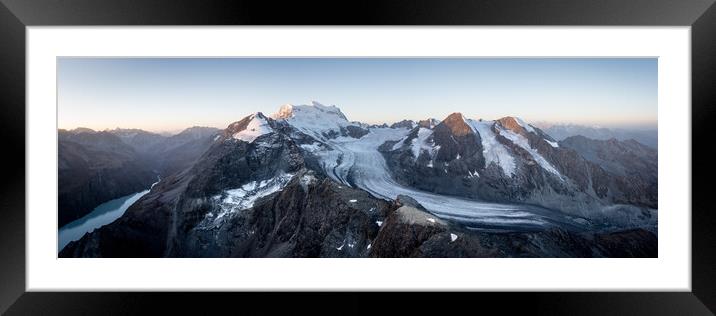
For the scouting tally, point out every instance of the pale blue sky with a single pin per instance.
(161, 94)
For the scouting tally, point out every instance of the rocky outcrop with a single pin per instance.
(355, 131)
(406, 230)
(413, 232)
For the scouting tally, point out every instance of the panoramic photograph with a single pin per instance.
(357, 157)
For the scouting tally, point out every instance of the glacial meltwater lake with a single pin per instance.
(101, 215)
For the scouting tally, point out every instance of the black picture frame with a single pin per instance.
(15, 15)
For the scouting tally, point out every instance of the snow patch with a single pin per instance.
(453, 237)
(380, 223)
(353, 201)
(430, 219)
(521, 141)
(422, 143)
(398, 144)
(313, 147)
(306, 180)
(524, 125)
(258, 126)
(551, 143)
(244, 197)
(493, 150)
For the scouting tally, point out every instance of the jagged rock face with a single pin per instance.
(432, 159)
(456, 140)
(406, 229)
(317, 219)
(454, 125)
(232, 162)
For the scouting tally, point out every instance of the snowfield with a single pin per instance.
(314, 120)
(258, 126)
(424, 143)
(234, 200)
(493, 150)
(521, 141)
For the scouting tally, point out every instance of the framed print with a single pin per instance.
(424, 147)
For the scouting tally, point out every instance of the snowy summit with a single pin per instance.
(257, 126)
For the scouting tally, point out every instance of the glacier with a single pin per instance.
(367, 169)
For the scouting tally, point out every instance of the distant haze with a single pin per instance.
(169, 94)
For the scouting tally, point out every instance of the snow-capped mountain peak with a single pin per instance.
(516, 125)
(316, 119)
(250, 128)
(284, 112)
(288, 111)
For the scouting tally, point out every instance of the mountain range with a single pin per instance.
(648, 137)
(307, 182)
(97, 166)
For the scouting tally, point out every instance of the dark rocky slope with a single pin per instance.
(95, 167)
(410, 231)
(98, 166)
